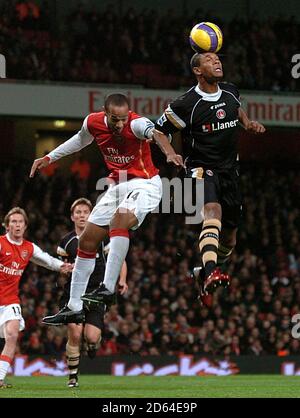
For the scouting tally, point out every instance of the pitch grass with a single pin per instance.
(96, 386)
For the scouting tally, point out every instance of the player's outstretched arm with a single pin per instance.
(41, 258)
(80, 140)
(250, 125)
(164, 144)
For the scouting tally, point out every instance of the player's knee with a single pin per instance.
(92, 337)
(87, 244)
(212, 211)
(74, 336)
(75, 340)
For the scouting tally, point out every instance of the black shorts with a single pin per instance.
(93, 316)
(223, 187)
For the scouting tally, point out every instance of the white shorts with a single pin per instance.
(141, 196)
(8, 313)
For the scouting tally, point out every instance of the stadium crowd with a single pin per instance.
(107, 46)
(161, 313)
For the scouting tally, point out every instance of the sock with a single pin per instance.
(208, 244)
(223, 254)
(84, 267)
(5, 362)
(92, 349)
(73, 358)
(119, 245)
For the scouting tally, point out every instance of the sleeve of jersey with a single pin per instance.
(41, 258)
(231, 88)
(80, 140)
(142, 128)
(61, 250)
(172, 120)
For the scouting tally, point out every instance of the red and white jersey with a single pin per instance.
(128, 151)
(14, 258)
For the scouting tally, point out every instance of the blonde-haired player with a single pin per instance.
(15, 254)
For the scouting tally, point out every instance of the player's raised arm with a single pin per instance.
(80, 140)
(41, 258)
(250, 125)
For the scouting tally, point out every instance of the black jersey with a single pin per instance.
(208, 125)
(67, 249)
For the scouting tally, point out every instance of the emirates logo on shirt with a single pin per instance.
(114, 157)
(220, 114)
(119, 159)
(11, 270)
(24, 254)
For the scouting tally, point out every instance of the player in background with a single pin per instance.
(15, 254)
(207, 116)
(121, 136)
(90, 329)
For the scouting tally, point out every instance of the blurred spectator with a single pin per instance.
(80, 167)
(88, 46)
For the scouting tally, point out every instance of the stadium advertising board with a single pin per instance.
(61, 101)
(161, 366)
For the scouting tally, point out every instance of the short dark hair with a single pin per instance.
(81, 201)
(115, 99)
(195, 60)
(14, 211)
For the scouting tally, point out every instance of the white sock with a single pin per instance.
(4, 366)
(83, 268)
(118, 249)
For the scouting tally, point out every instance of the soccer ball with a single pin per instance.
(206, 37)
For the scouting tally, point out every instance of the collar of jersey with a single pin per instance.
(12, 241)
(209, 97)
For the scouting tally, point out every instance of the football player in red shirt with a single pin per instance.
(15, 254)
(136, 190)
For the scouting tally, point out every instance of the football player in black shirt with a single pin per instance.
(91, 327)
(208, 116)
